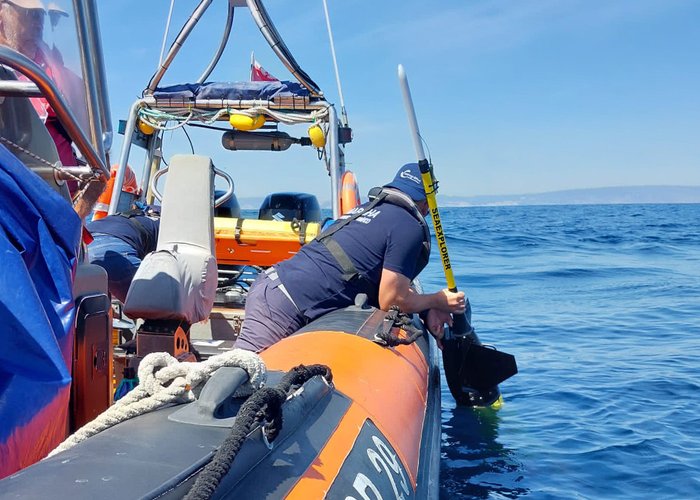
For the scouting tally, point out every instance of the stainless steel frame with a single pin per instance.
(96, 143)
(335, 161)
(86, 14)
(93, 153)
(124, 156)
(222, 46)
(177, 44)
(268, 30)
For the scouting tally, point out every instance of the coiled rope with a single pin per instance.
(265, 405)
(158, 118)
(164, 380)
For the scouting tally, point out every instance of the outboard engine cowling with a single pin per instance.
(231, 208)
(290, 206)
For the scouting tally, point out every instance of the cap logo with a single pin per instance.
(406, 174)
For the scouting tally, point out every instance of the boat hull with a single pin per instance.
(375, 428)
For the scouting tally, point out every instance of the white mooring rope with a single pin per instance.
(164, 380)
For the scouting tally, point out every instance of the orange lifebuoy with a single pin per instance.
(349, 192)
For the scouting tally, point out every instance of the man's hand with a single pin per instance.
(453, 302)
(435, 322)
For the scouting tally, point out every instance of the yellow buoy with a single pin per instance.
(245, 122)
(318, 138)
(145, 128)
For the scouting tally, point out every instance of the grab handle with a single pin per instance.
(222, 199)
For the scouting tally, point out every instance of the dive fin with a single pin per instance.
(472, 370)
(485, 367)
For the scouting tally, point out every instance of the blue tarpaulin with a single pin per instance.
(38, 250)
(231, 90)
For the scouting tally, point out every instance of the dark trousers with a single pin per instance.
(270, 315)
(118, 258)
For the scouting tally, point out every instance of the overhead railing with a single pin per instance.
(268, 30)
(222, 46)
(90, 43)
(157, 111)
(177, 45)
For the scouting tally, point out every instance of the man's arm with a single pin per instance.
(83, 205)
(395, 290)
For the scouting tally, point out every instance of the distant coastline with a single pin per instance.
(592, 196)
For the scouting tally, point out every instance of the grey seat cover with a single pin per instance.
(178, 280)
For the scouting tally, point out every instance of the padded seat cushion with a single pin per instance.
(173, 285)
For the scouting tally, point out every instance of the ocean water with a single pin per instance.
(601, 307)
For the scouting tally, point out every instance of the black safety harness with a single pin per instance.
(383, 195)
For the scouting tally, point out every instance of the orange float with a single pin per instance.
(349, 192)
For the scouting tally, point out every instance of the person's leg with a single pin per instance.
(269, 316)
(119, 259)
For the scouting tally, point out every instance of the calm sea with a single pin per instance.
(601, 306)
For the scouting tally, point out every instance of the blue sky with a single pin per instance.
(511, 96)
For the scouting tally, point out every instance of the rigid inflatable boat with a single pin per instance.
(347, 407)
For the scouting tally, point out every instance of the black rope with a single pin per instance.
(395, 318)
(265, 405)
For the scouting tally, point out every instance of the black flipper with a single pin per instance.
(473, 371)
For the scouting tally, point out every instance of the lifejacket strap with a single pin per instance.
(344, 222)
(349, 270)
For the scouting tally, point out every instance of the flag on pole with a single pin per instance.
(258, 73)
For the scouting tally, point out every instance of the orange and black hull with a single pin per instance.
(377, 440)
(374, 431)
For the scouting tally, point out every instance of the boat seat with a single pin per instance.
(178, 281)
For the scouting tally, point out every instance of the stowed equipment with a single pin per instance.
(472, 370)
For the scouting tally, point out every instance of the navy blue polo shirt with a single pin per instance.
(139, 231)
(387, 236)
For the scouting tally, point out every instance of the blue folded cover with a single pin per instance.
(39, 238)
(231, 90)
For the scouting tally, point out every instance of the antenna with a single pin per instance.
(165, 35)
(335, 65)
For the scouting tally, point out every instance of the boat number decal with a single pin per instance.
(371, 471)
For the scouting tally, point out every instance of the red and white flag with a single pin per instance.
(258, 73)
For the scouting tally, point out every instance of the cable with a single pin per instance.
(210, 127)
(335, 65)
(189, 139)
